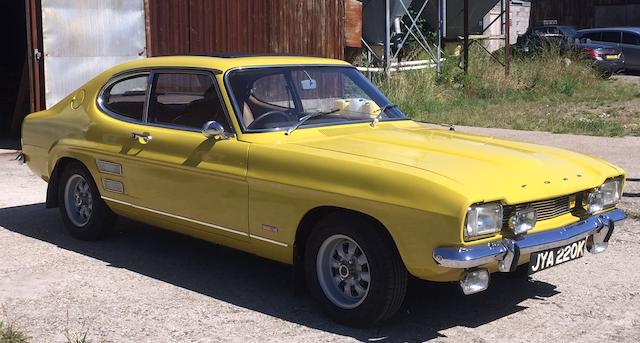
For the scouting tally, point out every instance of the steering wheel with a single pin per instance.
(265, 118)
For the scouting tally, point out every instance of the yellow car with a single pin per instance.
(303, 161)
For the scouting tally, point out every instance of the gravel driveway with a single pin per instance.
(148, 285)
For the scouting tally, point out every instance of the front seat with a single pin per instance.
(247, 115)
(200, 111)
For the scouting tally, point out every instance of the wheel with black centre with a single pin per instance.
(84, 213)
(354, 271)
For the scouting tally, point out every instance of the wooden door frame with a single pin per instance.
(33, 12)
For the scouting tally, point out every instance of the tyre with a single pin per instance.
(354, 271)
(84, 213)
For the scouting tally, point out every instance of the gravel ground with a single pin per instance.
(148, 285)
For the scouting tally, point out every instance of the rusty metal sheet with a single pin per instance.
(353, 23)
(83, 38)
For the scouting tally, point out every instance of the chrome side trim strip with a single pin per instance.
(268, 240)
(178, 217)
(197, 222)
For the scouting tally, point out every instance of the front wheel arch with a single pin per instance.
(310, 220)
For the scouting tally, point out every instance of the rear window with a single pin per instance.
(126, 97)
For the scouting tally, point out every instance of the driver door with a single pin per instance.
(181, 174)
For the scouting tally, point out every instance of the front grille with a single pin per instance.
(546, 209)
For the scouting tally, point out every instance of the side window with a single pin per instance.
(592, 35)
(185, 99)
(126, 97)
(540, 31)
(611, 36)
(630, 38)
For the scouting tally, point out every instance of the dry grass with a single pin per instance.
(548, 93)
(10, 334)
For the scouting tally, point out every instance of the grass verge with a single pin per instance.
(554, 93)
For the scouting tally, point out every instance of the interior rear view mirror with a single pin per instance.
(309, 84)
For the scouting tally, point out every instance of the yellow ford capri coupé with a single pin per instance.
(303, 161)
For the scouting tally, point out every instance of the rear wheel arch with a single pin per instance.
(54, 179)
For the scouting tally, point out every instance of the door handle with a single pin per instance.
(142, 138)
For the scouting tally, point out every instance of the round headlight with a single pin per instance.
(523, 220)
(595, 201)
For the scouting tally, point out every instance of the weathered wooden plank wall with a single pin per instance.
(308, 27)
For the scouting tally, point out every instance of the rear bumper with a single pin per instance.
(506, 252)
(611, 67)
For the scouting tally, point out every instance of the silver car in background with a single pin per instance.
(626, 39)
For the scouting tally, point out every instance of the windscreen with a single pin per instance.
(277, 98)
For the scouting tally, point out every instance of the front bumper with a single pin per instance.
(506, 252)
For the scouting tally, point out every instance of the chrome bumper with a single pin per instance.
(506, 252)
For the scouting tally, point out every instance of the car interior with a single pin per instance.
(185, 100)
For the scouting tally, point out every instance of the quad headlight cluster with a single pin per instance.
(484, 220)
(605, 196)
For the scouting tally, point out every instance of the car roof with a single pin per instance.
(223, 62)
(556, 26)
(608, 29)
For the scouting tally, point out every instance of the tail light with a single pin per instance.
(592, 53)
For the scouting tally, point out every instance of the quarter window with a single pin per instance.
(126, 97)
(185, 99)
(630, 38)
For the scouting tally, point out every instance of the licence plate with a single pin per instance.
(611, 57)
(546, 259)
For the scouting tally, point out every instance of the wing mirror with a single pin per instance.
(213, 129)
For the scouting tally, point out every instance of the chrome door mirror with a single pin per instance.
(213, 129)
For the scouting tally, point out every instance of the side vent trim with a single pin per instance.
(109, 167)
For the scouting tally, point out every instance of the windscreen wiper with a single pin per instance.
(382, 110)
(310, 116)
